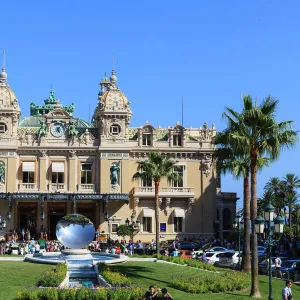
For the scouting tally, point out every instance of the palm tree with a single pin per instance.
(276, 188)
(156, 167)
(260, 133)
(291, 183)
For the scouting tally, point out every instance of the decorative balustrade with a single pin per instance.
(53, 187)
(86, 188)
(27, 187)
(165, 191)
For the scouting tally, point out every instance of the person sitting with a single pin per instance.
(165, 295)
(175, 253)
(151, 294)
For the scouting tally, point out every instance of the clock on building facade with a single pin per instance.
(57, 129)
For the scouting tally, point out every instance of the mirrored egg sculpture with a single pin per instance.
(75, 231)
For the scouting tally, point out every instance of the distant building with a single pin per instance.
(52, 164)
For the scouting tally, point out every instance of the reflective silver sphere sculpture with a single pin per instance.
(75, 231)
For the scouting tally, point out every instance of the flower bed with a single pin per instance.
(114, 278)
(54, 278)
(81, 294)
(229, 281)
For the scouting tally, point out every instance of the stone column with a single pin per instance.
(43, 168)
(72, 171)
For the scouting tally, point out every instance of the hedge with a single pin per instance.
(114, 278)
(55, 277)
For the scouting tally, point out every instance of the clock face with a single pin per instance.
(57, 129)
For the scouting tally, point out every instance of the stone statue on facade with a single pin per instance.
(114, 173)
(72, 130)
(43, 130)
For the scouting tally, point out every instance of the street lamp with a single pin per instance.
(238, 224)
(135, 225)
(259, 226)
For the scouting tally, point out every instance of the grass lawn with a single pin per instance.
(17, 275)
(159, 275)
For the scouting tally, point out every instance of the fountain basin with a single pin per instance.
(75, 259)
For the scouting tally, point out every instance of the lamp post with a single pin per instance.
(259, 226)
(238, 225)
(134, 225)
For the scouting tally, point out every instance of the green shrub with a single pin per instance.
(187, 261)
(114, 278)
(229, 281)
(82, 294)
(54, 278)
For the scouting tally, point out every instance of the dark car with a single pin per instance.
(185, 246)
(262, 266)
(288, 267)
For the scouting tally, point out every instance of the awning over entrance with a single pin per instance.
(147, 212)
(179, 213)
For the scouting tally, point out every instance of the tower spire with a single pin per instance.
(3, 74)
(3, 61)
(113, 62)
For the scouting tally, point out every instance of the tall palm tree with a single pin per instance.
(291, 183)
(260, 133)
(156, 167)
(276, 188)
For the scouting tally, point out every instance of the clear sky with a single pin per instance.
(209, 52)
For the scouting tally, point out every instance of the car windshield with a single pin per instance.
(227, 255)
(287, 264)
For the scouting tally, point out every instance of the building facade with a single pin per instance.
(52, 164)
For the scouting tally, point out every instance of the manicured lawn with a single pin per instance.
(159, 275)
(17, 275)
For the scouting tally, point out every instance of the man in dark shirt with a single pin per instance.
(165, 295)
(151, 294)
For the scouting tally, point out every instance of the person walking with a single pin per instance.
(278, 267)
(287, 291)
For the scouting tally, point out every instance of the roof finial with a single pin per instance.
(3, 61)
(113, 62)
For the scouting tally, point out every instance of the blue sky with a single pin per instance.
(209, 52)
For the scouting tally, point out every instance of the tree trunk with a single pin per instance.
(254, 262)
(290, 215)
(157, 216)
(246, 253)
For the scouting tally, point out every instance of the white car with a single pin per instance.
(229, 259)
(213, 257)
(213, 249)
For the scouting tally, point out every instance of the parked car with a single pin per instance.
(185, 246)
(288, 267)
(213, 257)
(229, 259)
(262, 266)
(214, 249)
(261, 250)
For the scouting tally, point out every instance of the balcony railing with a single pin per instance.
(27, 187)
(165, 191)
(86, 188)
(54, 187)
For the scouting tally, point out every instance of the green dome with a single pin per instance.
(32, 121)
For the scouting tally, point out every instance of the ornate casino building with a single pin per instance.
(53, 163)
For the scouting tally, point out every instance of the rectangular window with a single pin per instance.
(179, 172)
(2, 128)
(86, 173)
(147, 139)
(147, 224)
(177, 140)
(163, 227)
(147, 182)
(58, 169)
(114, 129)
(28, 172)
(178, 224)
(114, 227)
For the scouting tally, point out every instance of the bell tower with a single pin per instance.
(112, 114)
(9, 109)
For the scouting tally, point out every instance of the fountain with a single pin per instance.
(75, 232)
